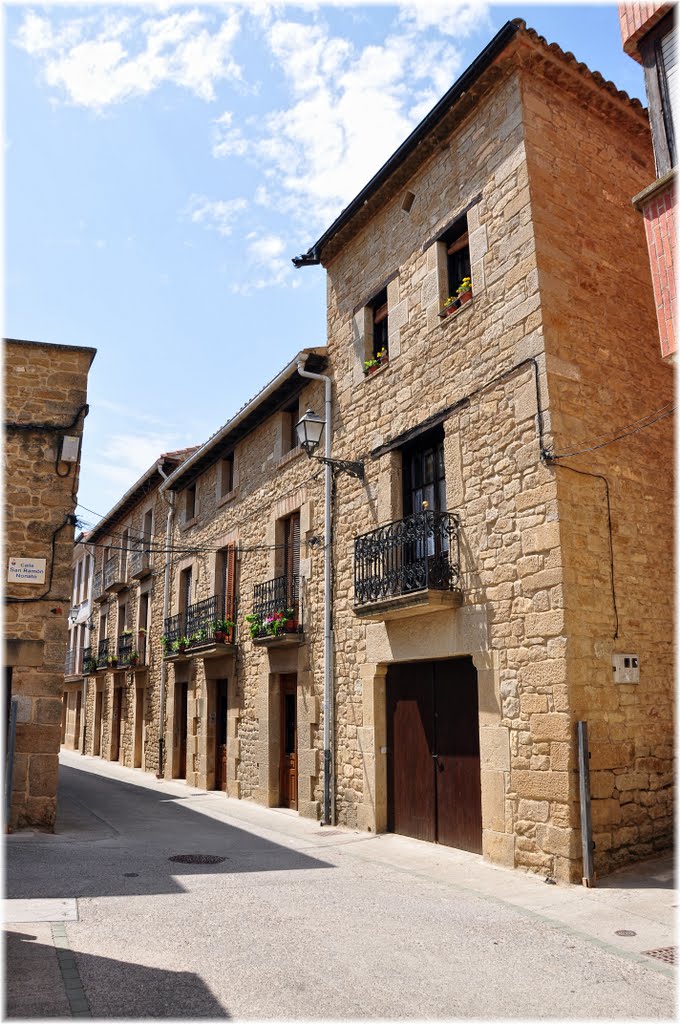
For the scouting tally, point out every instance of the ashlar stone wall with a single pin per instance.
(45, 399)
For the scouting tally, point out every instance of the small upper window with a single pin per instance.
(658, 53)
(190, 503)
(291, 415)
(457, 243)
(378, 307)
(226, 475)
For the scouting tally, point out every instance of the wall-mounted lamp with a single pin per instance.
(73, 616)
(309, 430)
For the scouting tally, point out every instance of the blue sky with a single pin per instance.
(164, 162)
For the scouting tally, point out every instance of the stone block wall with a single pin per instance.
(659, 213)
(615, 502)
(45, 400)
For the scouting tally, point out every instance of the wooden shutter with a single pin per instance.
(292, 557)
(229, 582)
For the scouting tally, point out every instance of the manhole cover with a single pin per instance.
(667, 954)
(624, 931)
(196, 858)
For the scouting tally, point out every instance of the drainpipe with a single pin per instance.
(166, 602)
(328, 732)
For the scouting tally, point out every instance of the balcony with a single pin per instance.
(128, 653)
(409, 567)
(115, 574)
(140, 562)
(89, 661)
(98, 592)
(205, 629)
(102, 658)
(275, 618)
(74, 662)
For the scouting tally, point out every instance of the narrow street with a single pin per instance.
(296, 921)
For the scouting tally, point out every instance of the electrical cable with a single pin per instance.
(9, 599)
(565, 453)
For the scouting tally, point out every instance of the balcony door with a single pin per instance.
(423, 473)
(425, 549)
(288, 762)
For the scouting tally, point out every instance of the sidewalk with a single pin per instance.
(629, 913)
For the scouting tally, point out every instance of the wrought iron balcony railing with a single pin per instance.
(73, 661)
(140, 561)
(199, 625)
(103, 653)
(420, 552)
(276, 607)
(98, 593)
(114, 573)
(89, 661)
(127, 653)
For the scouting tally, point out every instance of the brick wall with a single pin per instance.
(636, 20)
(659, 219)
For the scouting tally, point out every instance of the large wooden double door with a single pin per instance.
(433, 765)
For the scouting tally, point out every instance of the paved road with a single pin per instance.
(297, 921)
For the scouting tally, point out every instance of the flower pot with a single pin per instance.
(112, 663)
(219, 636)
(450, 309)
(465, 297)
(291, 626)
(133, 661)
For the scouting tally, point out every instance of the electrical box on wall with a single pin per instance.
(626, 668)
(69, 449)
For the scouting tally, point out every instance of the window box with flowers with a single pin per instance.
(282, 626)
(381, 358)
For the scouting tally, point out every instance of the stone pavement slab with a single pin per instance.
(18, 911)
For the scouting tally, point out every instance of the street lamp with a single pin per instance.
(309, 430)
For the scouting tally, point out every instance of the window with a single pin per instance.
(291, 415)
(190, 503)
(147, 527)
(457, 246)
(225, 475)
(378, 325)
(185, 587)
(225, 576)
(658, 52)
(423, 473)
(291, 558)
(124, 544)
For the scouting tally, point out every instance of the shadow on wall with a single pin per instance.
(127, 855)
(34, 987)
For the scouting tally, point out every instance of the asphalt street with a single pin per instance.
(297, 921)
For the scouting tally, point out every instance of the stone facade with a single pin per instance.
(45, 403)
(123, 663)
(75, 685)
(547, 402)
(560, 569)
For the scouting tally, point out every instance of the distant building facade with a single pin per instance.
(45, 409)
(649, 37)
(79, 624)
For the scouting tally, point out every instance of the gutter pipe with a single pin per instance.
(328, 731)
(166, 602)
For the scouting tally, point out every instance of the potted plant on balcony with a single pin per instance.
(221, 629)
(255, 625)
(450, 306)
(179, 645)
(166, 643)
(112, 661)
(134, 658)
(464, 290)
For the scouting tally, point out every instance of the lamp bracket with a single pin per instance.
(355, 469)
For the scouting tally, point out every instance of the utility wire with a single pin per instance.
(565, 453)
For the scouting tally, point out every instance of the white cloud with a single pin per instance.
(215, 214)
(105, 59)
(350, 107)
(123, 458)
(268, 264)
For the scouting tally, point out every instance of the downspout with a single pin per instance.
(166, 602)
(328, 731)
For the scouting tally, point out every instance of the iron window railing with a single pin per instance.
(276, 607)
(98, 585)
(173, 630)
(203, 616)
(140, 560)
(102, 653)
(71, 665)
(113, 572)
(420, 552)
(126, 650)
(89, 661)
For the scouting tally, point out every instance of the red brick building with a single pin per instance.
(648, 33)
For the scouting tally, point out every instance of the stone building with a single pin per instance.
(243, 634)
(122, 665)
(648, 33)
(79, 625)
(45, 408)
(501, 572)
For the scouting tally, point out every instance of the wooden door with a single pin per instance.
(64, 715)
(433, 764)
(181, 718)
(459, 791)
(411, 797)
(288, 763)
(221, 734)
(115, 724)
(139, 726)
(97, 735)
